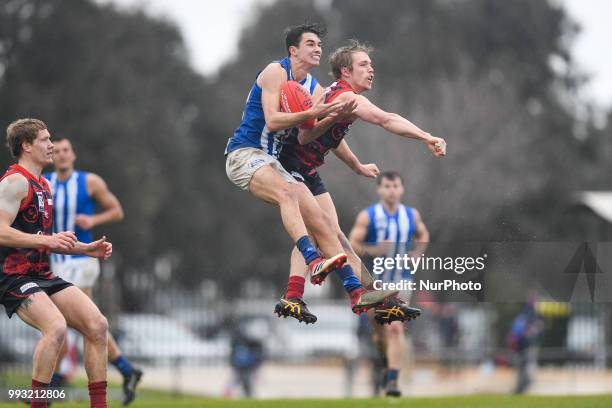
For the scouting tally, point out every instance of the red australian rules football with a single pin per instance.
(294, 98)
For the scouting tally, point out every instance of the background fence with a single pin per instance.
(188, 344)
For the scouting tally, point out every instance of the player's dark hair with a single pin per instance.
(343, 57)
(293, 34)
(20, 131)
(389, 175)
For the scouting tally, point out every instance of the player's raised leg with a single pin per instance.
(85, 317)
(299, 212)
(354, 275)
(269, 185)
(319, 226)
(292, 304)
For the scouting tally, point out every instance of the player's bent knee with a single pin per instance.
(328, 220)
(286, 194)
(97, 328)
(320, 222)
(101, 327)
(55, 331)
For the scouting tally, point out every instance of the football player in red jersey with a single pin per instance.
(304, 152)
(27, 285)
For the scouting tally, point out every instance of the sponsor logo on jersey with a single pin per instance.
(256, 162)
(28, 286)
(41, 201)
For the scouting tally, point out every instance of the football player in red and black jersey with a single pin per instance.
(304, 151)
(27, 285)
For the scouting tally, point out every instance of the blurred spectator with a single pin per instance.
(246, 357)
(448, 324)
(523, 341)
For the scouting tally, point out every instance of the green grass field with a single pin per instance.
(153, 398)
(488, 401)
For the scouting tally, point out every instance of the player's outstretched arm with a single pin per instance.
(271, 81)
(111, 207)
(344, 153)
(398, 125)
(13, 190)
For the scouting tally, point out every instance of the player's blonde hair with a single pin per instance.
(343, 57)
(20, 131)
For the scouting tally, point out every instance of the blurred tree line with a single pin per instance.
(496, 79)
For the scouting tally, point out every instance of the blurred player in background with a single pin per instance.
(28, 287)
(76, 194)
(386, 229)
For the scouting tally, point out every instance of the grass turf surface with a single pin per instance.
(488, 401)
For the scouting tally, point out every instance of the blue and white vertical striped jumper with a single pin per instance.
(70, 198)
(398, 228)
(253, 131)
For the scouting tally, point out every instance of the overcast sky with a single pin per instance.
(212, 29)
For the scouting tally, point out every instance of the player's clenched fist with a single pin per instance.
(368, 170)
(437, 145)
